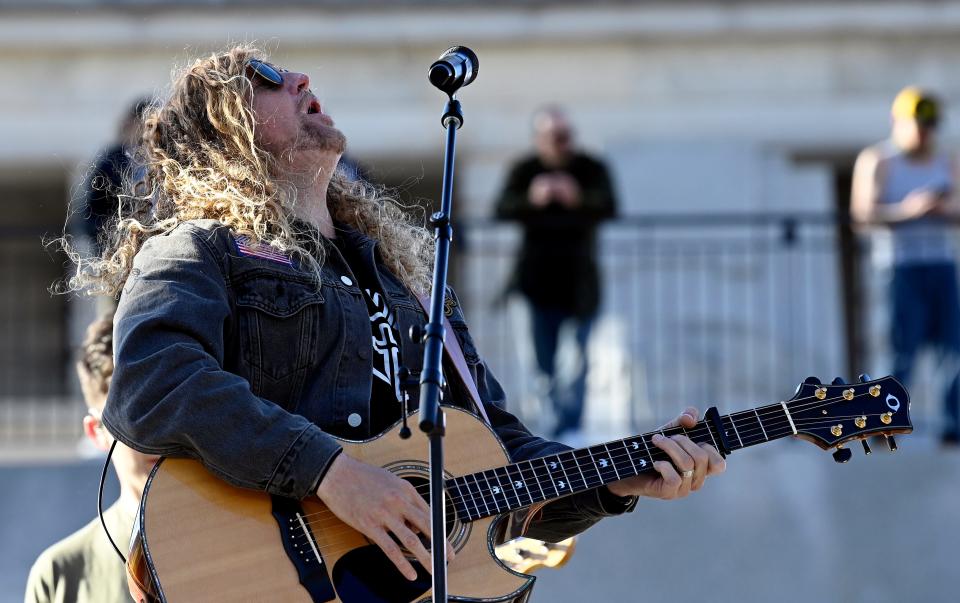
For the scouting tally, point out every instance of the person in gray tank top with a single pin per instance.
(908, 186)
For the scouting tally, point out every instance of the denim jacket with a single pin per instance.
(247, 364)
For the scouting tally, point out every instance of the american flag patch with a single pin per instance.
(259, 250)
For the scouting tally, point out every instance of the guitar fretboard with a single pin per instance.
(518, 485)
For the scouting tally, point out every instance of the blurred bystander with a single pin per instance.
(83, 567)
(559, 195)
(908, 185)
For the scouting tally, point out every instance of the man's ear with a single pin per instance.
(97, 433)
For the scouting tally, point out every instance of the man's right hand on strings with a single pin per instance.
(379, 504)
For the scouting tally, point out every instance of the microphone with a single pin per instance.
(456, 68)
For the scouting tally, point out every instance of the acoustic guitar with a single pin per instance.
(199, 539)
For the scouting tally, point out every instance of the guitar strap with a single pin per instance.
(519, 521)
(454, 353)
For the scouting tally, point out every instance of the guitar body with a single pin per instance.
(201, 539)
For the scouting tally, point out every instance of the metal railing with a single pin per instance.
(698, 310)
(39, 404)
(726, 310)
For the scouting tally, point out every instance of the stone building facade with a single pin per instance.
(701, 108)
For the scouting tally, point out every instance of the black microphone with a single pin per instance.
(456, 68)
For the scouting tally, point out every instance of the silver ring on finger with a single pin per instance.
(687, 473)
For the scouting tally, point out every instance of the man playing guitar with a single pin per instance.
(262, 301)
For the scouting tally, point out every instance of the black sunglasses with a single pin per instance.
(270, 74)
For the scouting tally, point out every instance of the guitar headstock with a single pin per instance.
(832, 415)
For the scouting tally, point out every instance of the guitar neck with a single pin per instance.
(518, 485)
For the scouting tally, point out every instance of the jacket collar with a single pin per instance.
(353, 237)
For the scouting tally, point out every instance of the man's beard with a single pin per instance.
(323, 137)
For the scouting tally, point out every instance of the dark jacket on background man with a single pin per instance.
(101, 195)
(557, 266)
(250, 365)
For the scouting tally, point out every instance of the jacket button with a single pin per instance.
(346, 280)
(354, 420)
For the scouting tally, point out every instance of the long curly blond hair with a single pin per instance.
(202, 162)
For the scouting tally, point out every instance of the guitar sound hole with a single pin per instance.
(366, 575)
(422, 485)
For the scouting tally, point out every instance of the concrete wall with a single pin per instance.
(699, 107)
(778, 78)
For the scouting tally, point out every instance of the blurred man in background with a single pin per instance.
(559, 195)
(908, 185)
(103, 186)
(83, 567)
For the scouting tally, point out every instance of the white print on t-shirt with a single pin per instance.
(386, 351)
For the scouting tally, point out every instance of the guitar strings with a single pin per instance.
(702, 429)
(656, 454)
(343, 528)
(451, 512)
(695, 432)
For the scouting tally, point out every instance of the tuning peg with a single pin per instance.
(842, 455)
(891, 443)
(838, 381)
(864, 378)
(866, 447)
(812, 381)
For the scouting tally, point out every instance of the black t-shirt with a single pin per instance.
(385, 394)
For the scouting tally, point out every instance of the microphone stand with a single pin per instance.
(432, 420)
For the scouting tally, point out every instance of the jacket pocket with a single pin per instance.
(278, 319)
